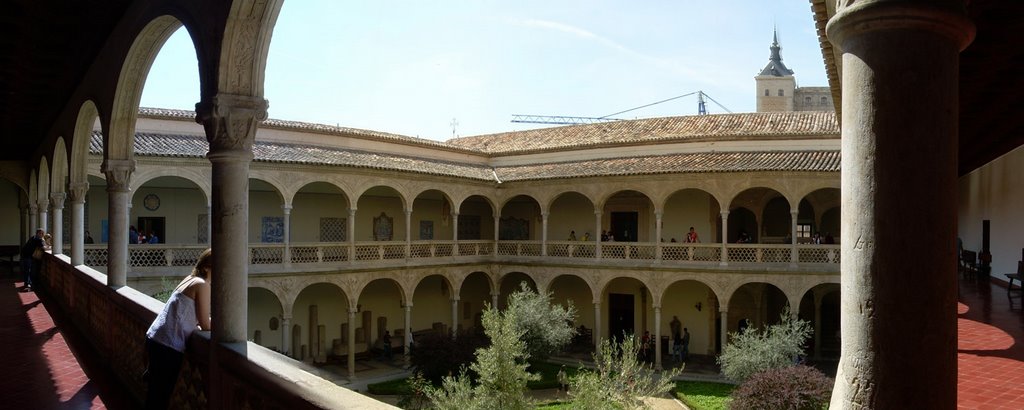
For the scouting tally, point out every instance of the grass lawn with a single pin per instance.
(390, 388)
(703, 395)
(548, 380)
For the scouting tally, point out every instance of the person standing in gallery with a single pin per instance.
(186, 310)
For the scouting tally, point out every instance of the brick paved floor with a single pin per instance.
(990, 347)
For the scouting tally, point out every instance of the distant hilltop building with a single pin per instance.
(777, 90)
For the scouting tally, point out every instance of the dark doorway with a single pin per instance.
(152, 226)
(620, 315)
(624, 226)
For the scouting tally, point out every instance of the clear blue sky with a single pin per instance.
(410, 67)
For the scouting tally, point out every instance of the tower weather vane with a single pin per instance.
(454, 123)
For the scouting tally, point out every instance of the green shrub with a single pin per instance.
(796, 387)
(757, 350)
(620, 380)
(545, 325)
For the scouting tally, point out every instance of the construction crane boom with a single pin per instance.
(570, 120)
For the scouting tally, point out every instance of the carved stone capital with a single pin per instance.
(230, 121)
(947, 18)
(43, 204)
(119, 173)
(77, 191)
(57, 199)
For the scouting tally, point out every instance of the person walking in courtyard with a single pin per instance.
(386, 340)
(186, 310)
(686, 344)
(563, 380)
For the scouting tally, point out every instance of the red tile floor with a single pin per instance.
(42, 372)
(39, 369)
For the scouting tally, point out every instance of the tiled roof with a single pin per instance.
(667, 129)
(814, 161)
(311, 127)
(164, 145)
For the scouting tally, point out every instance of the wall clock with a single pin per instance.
(151, 202)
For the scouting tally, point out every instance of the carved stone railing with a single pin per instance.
(344, 253)
(114, 323)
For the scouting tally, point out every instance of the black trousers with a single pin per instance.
(162, 374)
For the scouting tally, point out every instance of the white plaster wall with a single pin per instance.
(179, 207)
(308, 208)
(680, 300)
(689, 208)
(431, 303)
(263, 306)
(10, 214)
(432, 210)
(995, 192)
(332, 311)
(571, 213)
(371, 207)
(382, 298)
(96, 204)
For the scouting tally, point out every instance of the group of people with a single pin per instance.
(680, 343)
(817, 239)
(135, 237)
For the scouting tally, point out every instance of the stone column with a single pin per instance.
(408, 233)
(57, 203)
(44, 215)
(455, 228)
(497, 232)
(724, 336)
(793, 214)
(817, 324)
(287, 210)
(408, 329)
(230, 122)
(77, 191)
(597, 326)
(657, 337)
(33, 219)
(725, 238)
(657, 237)
(899, 152)
(494, 300)
(597, 221)
(118, 172)
(352, 343)
(455, 317)
(543, 234)
(351, 225)
(286, 335)
(26, 222)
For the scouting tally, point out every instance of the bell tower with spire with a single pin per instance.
(775, 84)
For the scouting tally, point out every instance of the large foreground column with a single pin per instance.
(899, 154)
(230, 122)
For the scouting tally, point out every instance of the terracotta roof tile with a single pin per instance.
(689, 128)
(814, 161)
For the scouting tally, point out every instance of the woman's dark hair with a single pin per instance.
(202, 264)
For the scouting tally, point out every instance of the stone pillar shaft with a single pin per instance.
(657, 240)
(455, 317)
(77, 193)
(597, 325)
(657, 337)
(408, 329)
(286, 335)
(57, 203)
(597, 222)
(44, 207)
(118, 174)
(725, 238)
(287, 211)
(724, 336)
(33, 219)
(544, 234)
(230, 122)
(351, 225)
(899, 153)
(352, 343)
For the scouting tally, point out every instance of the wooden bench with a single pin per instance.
(1015, 276)
(9, 252)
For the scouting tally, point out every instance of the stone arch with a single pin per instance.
(431, 302)
(509, 283)
(331, 312)
(243, 53)
(760, 303)
(265, 201)
(376, 302)
(80, 139)
(519, 213)
(319, 213)
(479, 197)
(691, 207)
(478, 290)
(476, 216)
(178, 200)
(571, 211)
(265, 315)
(757, 200)
(820, 306)
(58, 178)
(693, 302)
(118, 144)
(629, 215)
(822, 202)
(199, 177)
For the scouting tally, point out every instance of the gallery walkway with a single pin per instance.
(43, 372)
